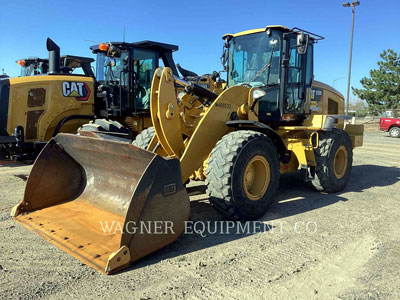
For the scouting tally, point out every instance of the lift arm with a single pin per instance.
(165, 114)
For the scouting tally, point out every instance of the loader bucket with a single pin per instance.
(106, 203)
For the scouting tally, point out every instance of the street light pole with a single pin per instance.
(353, 7)
(333, 83)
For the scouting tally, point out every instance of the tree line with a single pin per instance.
(381, 90)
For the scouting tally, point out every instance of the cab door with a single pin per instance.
(299, 80)
(145, 62)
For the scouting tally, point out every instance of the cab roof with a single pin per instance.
(33, 60)
(71, 61)
(276, 27)
(162, 47)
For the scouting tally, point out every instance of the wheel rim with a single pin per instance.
(395, 131)
(256, 177)
(340, 162)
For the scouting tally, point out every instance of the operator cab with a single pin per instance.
(278, 61)
(125, 71)
(33, 66)
(68, 64)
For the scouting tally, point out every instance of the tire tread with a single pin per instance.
(220, 167)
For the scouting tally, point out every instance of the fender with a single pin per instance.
(284, 154)
(330, 121)
(72, 117)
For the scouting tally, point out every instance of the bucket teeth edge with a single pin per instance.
(15, 211)
(118, 259)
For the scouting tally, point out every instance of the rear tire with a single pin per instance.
(394, 132)
(3, 153)
(243, 174)
(104, 125)
(143, 139)
(334, 158)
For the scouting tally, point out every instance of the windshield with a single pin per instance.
(26, 71)
(100, 59)
(144, 65)
(114, 68)
(254, 59)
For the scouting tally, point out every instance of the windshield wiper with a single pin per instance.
(265, 67)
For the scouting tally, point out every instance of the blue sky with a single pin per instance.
(197, 27)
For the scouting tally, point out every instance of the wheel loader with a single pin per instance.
(34, 109)
(33, 66)
(70, 63)
(273, 118)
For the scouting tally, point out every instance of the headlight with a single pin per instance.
(257, 94)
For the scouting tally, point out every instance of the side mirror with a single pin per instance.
(110, 62)
(224, 56)
(302, 43)
(113, 51)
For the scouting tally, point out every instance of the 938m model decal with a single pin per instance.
(79, 90)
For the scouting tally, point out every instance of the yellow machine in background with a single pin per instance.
(272, 119)
(35, 108)
(40, 66)
(33, 66)
(33, 104)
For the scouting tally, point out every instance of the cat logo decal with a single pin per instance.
(79, 90)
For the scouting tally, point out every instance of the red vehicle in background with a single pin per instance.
(390, 124)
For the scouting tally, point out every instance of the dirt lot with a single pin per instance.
(351, 249)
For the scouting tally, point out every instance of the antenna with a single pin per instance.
(91, 41)
(123, 38)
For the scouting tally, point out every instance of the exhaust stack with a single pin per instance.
(54, 56)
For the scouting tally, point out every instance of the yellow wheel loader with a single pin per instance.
(33, 109)
(68, 63)
(33, 66)
(272, 119)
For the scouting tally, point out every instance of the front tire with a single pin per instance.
(144, 138)
(243, 175)
(334, 159)
(394, 132)
(104, 125)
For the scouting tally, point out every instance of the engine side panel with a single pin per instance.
(50, 98)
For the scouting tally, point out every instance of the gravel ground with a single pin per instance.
(314, 246)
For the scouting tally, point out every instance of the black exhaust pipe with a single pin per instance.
(54, 56)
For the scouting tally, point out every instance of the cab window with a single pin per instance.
(145, 63)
